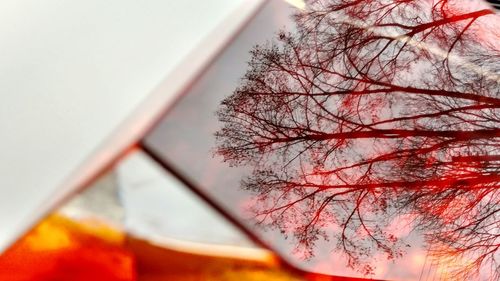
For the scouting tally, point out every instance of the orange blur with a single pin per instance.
(58, 249)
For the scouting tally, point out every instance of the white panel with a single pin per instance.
(70, 73)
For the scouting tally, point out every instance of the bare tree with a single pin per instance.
(370, 110)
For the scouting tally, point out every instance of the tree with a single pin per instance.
(368, 111)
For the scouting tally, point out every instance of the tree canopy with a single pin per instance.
(368, 111)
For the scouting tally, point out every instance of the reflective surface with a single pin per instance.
(361, 140)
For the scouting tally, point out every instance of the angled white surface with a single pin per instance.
(70, 74)
(157, 207)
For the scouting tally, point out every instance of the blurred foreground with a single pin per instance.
(59, 248)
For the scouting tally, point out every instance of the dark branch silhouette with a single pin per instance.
(372, 110)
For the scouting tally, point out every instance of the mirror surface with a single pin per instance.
(355, 138)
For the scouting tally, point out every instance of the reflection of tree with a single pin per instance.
(372, 110)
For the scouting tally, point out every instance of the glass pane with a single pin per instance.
(357, 138)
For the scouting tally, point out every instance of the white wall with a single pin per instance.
(70, 73)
